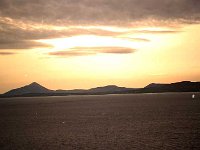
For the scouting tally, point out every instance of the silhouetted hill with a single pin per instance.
(109, 89)
(35, 89)
(184, 86)
(155, 85)
(75, 91)
(31, 88)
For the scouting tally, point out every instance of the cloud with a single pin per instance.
(7, 53)
(136, 39)
(114, 50)
(71, 53)
(23, 44)
(15, 34)
(99, 11)
(82, 51)
(158, 32)
(23, 22)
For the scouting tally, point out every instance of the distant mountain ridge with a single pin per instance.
(184, 86)
(31, 88)
(35, 89)
(109, 88)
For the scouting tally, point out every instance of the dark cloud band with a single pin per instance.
(99, 11)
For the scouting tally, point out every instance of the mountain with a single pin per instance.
(97, 90)
(184, 86)
(35, 89)
(109, 89)
(75, 91)
(28, 89)
(155, 85)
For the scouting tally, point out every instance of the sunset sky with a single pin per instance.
(68, 44)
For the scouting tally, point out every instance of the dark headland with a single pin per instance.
(35, 89)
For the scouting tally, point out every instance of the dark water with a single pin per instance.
(142, 121)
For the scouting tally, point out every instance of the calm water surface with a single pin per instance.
(141, 121)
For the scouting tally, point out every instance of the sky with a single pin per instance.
(73, 44)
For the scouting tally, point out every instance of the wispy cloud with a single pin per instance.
(82, 51)
(136, 39)
(23, 44)
(158, 32)
(7, 53)
(71, 53)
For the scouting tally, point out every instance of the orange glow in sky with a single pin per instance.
(84, 49)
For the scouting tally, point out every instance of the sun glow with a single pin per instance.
(123, 37)
(89, 41)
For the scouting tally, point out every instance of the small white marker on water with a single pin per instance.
(193, 96)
